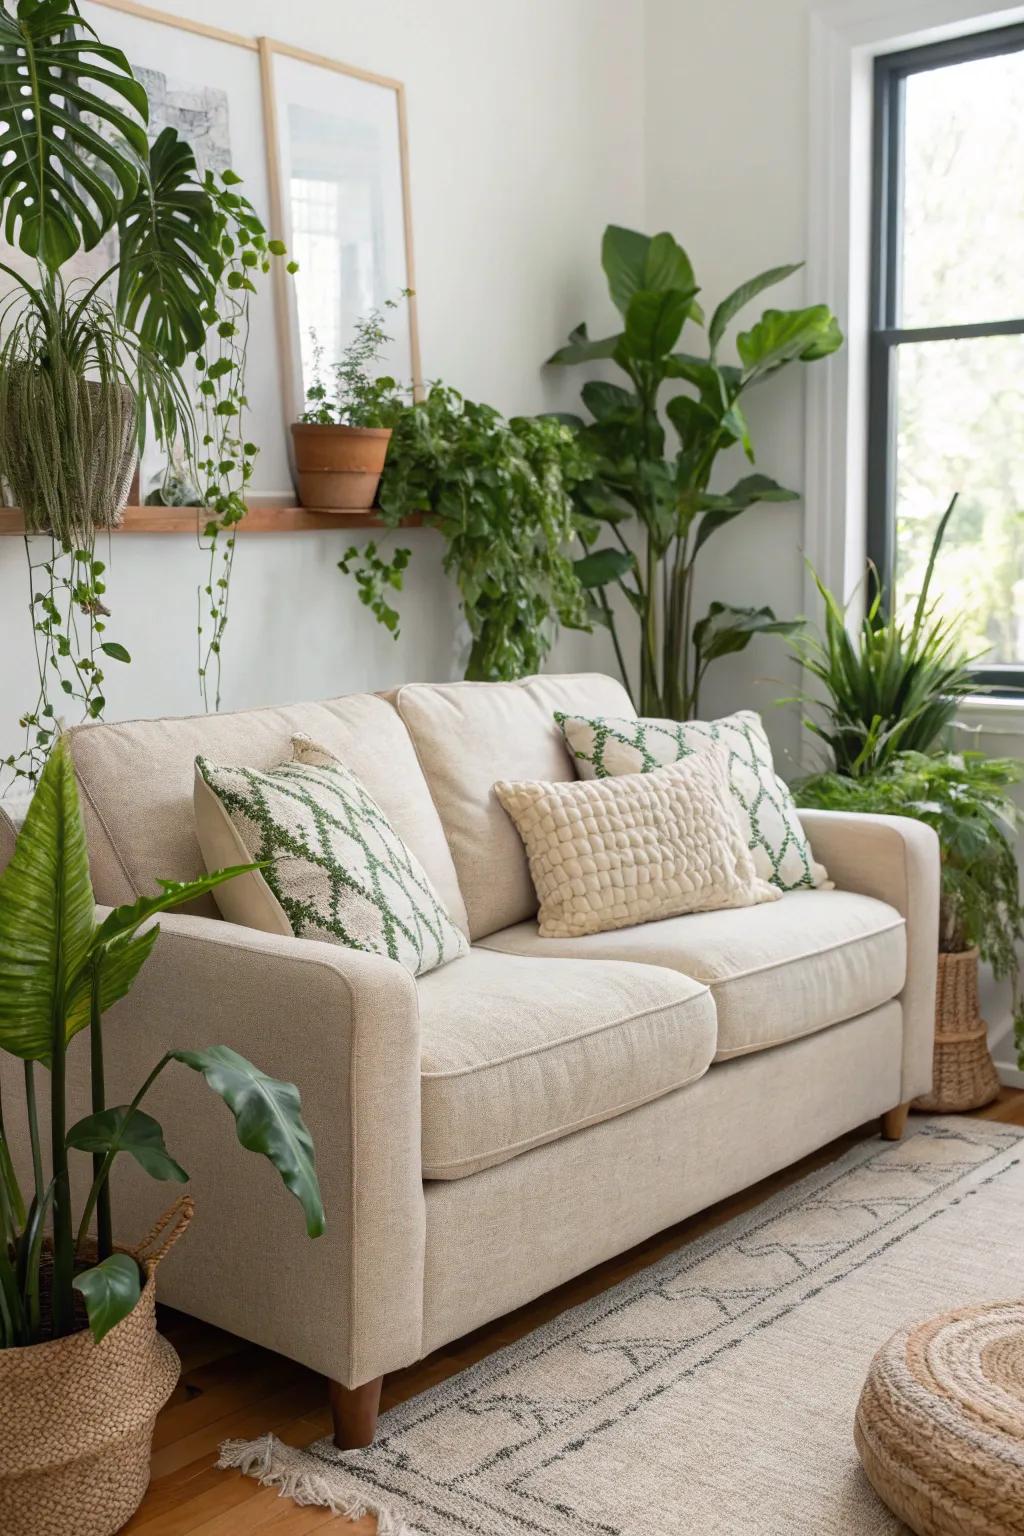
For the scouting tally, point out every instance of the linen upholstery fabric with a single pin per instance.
(343, 1026)
(467, 736)
(530, 1224)
(775, 972)
(136, 780)
(897, 861)
(604, 747)
(610, 853)
(520, 1051)
(7, 839)
(334, 867)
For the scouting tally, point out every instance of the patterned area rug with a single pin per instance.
(713, 1393)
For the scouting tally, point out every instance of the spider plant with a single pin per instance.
(891, 685)
(61, 968)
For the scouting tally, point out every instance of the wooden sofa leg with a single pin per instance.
(894, 1122)
(355, 1410)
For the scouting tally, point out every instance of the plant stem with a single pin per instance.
(33, 1129)
(104, 1220)
(63, 1251)
(103, 1175)
(606, 609)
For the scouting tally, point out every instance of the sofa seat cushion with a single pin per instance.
(518, 1051)
(776, 972)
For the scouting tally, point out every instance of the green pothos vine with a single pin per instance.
(226, 459)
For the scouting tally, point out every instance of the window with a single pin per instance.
(947, 339)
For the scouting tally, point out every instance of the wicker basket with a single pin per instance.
(964, 1075)
(76, 1417)
(940, 1423)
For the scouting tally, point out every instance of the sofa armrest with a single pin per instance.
(343, 1026)
(896, 860)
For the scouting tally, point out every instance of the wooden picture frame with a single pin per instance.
(285, 293)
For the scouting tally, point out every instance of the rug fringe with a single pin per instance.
(276, 1465)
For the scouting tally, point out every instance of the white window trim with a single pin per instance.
(845, 36)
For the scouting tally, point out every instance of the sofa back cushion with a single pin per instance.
(137, 781)
(470, 735)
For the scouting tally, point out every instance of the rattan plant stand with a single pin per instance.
(964, 1075)
(940, 1423)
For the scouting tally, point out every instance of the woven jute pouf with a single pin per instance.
(964, 1074)
(76, 1417)
(940, 1423)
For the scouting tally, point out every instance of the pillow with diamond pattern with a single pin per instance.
(334, 868)
(605, 748)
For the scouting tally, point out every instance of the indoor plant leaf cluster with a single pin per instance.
(499, 491)
(650, 486)
(60, 969)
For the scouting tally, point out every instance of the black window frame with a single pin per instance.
(891, 71)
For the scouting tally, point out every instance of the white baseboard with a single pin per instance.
(1010, 1076)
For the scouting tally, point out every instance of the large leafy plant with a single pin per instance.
(83, 361)
(888, 686)
(964, 797)
(499, 493)
(61, 968)
(658, 478)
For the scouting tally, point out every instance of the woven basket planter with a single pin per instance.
(940, 1423)
(76, 1420)
(964, 1074)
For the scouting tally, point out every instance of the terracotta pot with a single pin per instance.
(339, 468)
(76, 1425)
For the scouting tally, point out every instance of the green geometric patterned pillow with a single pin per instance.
(606, 748)
(334, 867)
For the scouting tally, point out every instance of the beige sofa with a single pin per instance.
(510, 1120)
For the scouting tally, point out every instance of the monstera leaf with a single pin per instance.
(170, 254)
(70, 155)
(46, 914)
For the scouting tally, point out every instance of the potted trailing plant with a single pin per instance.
(88, 367)
(82, 1371)
(499, 493)
(341, 439)
(964, 797)
(665, 494)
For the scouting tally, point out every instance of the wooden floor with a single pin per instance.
(229, 1389)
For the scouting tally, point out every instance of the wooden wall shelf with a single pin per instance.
(270, 518)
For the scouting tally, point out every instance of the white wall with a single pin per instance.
(727, 174)
(526, 138)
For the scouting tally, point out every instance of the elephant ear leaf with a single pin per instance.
(47, 914)
(125, 1129)
(110, 1291)
(70, 154)
(268, 1120)
(169, 253)
(724, 630)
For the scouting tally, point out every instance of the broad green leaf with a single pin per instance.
(124, 1129)
(735, 422)
(580, 348)
(268, 1120)
(725, 630)
(654, 320)
(668, 266)
(782, 335)
(719, 510)
(70, 154)
(170, 256)
(46, 913)
(115, 651)
(119, 951)
(604, 400)
(741, 296)
(624, 259)
(110, 1291)
(692, 420)
(603, 566)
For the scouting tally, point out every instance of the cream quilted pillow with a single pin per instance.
(604, 747)
(609, 853)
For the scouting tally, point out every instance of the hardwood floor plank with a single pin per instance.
(232, 1390)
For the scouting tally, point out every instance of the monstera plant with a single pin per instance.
(61, 968)
(664, 488)
(88, 365)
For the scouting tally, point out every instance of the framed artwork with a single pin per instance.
(338, 175)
